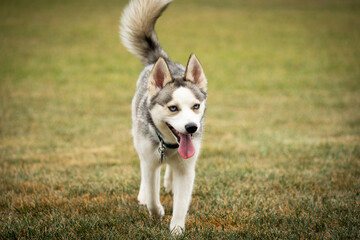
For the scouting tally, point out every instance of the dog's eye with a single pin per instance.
(196, 106)
(173, 108)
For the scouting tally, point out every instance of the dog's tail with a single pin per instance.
(137, 29)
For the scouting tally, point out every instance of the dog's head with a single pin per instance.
(177, 106)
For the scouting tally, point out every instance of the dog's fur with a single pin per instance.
(169, 101)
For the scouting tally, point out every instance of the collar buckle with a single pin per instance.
(163, 146)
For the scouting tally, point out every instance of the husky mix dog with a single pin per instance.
(168, 112)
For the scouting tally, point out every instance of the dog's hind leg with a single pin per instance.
(168, 180)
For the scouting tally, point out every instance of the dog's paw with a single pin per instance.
(176, 229)
(157, 211)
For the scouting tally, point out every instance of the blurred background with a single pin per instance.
(280, 155)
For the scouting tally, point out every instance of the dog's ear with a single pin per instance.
(195, 73)
(160, 75)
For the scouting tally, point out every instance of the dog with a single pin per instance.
(168, 111)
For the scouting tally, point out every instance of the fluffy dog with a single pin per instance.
(168, 112)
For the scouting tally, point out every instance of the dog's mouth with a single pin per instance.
(186, 146)
(174, 132)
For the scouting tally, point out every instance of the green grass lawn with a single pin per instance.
(281, 149)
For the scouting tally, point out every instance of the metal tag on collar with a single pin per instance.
(162, 152)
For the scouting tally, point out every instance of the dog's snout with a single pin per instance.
(191, 127)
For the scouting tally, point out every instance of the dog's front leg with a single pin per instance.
(183, 180)
(150, 187)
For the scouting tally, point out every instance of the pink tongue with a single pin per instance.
(186, 148)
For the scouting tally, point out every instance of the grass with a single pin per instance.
(281, 151)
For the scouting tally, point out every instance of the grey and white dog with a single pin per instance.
(168, 112)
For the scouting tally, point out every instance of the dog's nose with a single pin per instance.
(191, 127)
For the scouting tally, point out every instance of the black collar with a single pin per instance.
(167, 145)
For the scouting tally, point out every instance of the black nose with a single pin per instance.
(191, 127)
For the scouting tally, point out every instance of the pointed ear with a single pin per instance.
(195, 73)
(160, 75)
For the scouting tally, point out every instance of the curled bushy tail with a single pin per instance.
(137, 29)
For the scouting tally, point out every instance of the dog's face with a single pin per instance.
(178, 105)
